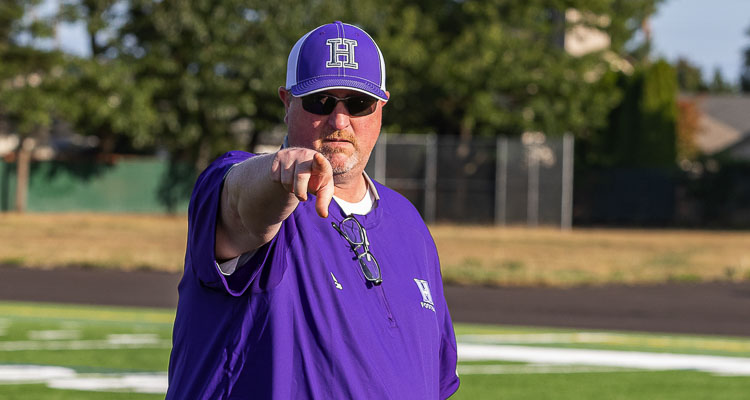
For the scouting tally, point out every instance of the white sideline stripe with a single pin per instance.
(112, 342)
(66, 334)
(67, 378)
(609, 358)
(662, 341)
(133, 338)
(32, 373)
(497, 369)
(138, 383)
(573, 337)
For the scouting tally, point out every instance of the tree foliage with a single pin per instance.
(688, 124)
(719, 84)
(110, 101)
(27, 74)
(212, 68)
(642, 129)
(200, 77)
(498, 67)
(689, 76)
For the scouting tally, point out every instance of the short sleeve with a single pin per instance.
(449, 380)
(202, 213)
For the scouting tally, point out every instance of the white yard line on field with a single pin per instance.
(67, 378)
(115, 341)
(503, 369)
(538, 338)
(32, 373)
(139, 383)
(542, 360)
(607, 358)
(60, 334)
(647, 340)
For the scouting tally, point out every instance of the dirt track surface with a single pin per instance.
(710, 308)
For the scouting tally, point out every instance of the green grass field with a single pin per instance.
(79, 352)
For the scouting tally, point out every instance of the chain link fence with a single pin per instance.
(526, 180)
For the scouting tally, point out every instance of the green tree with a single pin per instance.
(210, 68)
(498, 67)
(643, 128)
(27, 81)
(24, 70)
(110, 102)
(477, 67)
(719, 84)
(689, 76)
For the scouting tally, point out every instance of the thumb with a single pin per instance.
(323, 172)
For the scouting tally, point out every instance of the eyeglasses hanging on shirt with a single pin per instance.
(354, 233)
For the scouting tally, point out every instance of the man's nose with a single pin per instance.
(339, 118)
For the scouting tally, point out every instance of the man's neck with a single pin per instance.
(351, 188)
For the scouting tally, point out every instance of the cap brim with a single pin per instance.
(320, 84)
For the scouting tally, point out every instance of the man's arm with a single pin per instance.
(261, 192)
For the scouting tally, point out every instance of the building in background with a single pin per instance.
(586, 35)
(724, 125)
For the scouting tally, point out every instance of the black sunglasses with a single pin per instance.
(323, 104)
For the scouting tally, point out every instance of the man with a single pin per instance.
(287, 294)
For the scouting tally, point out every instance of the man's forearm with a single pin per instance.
(261, 192)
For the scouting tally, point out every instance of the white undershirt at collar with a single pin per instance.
(361, 207)
(365, 205)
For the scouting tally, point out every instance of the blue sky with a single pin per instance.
(709, 33)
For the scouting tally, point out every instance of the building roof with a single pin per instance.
(731, 110)
(725, 121)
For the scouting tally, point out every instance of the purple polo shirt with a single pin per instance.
(300, 321)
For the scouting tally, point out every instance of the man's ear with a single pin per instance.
(285, 97)
(388, 96)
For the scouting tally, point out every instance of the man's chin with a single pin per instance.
(342, 164)
(341, 168)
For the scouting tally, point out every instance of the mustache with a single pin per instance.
(342, 135)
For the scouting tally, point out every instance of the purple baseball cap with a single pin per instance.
(336, 56)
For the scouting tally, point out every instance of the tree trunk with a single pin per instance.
(23, 163)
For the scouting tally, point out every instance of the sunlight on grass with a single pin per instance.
(469, 254)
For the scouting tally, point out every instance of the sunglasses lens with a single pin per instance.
(319, 104)
(323, 104)
(361, 105)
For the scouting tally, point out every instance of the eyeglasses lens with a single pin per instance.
(352, 231)
(370, 267)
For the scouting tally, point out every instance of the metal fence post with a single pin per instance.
(380, 159)
(566, 220)
(532, 190)
(501, 179)
(430, 187)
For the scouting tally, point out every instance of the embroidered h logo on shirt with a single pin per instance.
(424, 289)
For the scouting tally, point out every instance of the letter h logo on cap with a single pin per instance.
(338, 53)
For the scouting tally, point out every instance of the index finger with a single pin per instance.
(323, 173)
